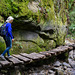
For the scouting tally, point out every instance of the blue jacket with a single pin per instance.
(9, 30)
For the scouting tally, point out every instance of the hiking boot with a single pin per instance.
(10, 56)
(2, 57)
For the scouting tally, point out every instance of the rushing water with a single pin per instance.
(58, 67)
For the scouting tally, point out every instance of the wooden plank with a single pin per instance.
(61, 49)
(55, 51)
(58, 51)
(52, 53)
(15, 61)
(4, 63)
(33, 56)
(46, 53)
(22, 58)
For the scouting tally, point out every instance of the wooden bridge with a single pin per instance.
(24, 58)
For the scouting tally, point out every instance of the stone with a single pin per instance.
(60, 72)
(65, 68)
(34, 74)
(50, 71)
(73, 64)
(70, 60)
(33, 6)
(71, 54)
(28, 36)
(71, 72)
(27, 47)
(57, 64)
(66, 64)
(42, 72)
(46, 66)
(57, 68)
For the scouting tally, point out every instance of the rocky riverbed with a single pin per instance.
(58, 67)
(51, 66)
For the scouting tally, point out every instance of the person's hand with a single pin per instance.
(12, 40)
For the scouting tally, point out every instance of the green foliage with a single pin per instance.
(72, 17)
(52, 11)
(70, 4)
(25, 47)
(72, 20)
(72, 30)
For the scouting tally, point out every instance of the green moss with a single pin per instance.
(61, 36)
(49, 44)
(2, 45)
(20, 8)
(25, 47)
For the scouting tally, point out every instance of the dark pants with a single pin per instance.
(8, 42)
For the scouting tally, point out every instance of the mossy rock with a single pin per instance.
(22, 35)
(49, 44)
(2, 45)
(25, 47)
(61, 35)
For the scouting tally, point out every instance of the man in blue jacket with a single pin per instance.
(8, 38)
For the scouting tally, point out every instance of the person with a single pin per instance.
(8, 37)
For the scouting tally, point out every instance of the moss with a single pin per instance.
(39, 41)
(25, 47)
(49, 44)
(61, 36)
(2, 45)
(60, 40)
(48, 13)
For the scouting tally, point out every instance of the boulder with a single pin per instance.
(57, 64)
(66, 64)
(23, 35)
(25, 47)
(2, 45)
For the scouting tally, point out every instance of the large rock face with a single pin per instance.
(38, 27)
(29, 38)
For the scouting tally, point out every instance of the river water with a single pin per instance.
(55, 67)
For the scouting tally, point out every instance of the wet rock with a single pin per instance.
(42, 72)
(57, 64)
(69, 69)
(71, 72)
(60, 72)
(65, 72)
(46, 66)
(65, 68)
(34, 74)
(71, 54)
(66, 64)
(50, 71)
(56, 68)
(73, 64)
(70, 60)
